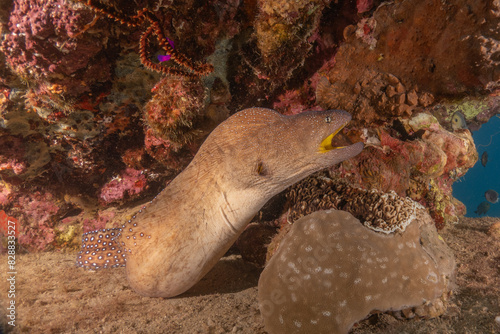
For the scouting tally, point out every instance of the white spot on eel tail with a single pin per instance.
(185, 230)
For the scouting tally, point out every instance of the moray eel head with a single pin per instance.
(265, 147)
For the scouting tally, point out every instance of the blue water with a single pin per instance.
(471, 187)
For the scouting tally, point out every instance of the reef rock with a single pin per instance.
(47, 41)
(389, 59)
(330, 271)
(417, 158)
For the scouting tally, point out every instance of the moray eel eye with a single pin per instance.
(260, 169)
(328, 119)
(326, 144)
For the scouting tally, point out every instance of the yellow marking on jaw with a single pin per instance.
(326, 144)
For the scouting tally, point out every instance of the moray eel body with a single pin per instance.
(253, 155)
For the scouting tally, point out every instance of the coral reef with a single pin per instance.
(93, 125)
(46, 43)
(475, 109)
(382, 212)
(146, 17)
(282, 24)
(174, 107)
(76, 78)
(414, 41)
(330, 272)
(376, 97)
(418, 158)
(179, 117)
(36, 215)
(8, 225)
(12, 155)
(5, 191)
(285, 35)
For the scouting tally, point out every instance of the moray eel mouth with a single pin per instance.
(328, 144)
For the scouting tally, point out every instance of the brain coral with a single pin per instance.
(330, 272)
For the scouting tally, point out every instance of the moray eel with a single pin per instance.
(180, 235)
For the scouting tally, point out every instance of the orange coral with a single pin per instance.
(8, 224)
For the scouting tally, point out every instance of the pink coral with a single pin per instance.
(131, 182)
(364, 5)
(35, 213)
(291, 103)
(103, 217)
(422, 164)
(43, 43)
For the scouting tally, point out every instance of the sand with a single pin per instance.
(54, 296)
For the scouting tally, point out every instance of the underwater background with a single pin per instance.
(471, 187)
(104, 103)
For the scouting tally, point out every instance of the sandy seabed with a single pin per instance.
(54, 296)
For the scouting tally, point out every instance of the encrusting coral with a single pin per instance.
(418, 158)
(330, 271)
(414, 41)
(282, 24)
(173, 108)
(283, 37)
(376, 96)
(45, 43)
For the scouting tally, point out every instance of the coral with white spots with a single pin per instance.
(330, 272)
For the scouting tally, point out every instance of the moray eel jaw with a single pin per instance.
(326, 144)
(329, 146)
(318, 133)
